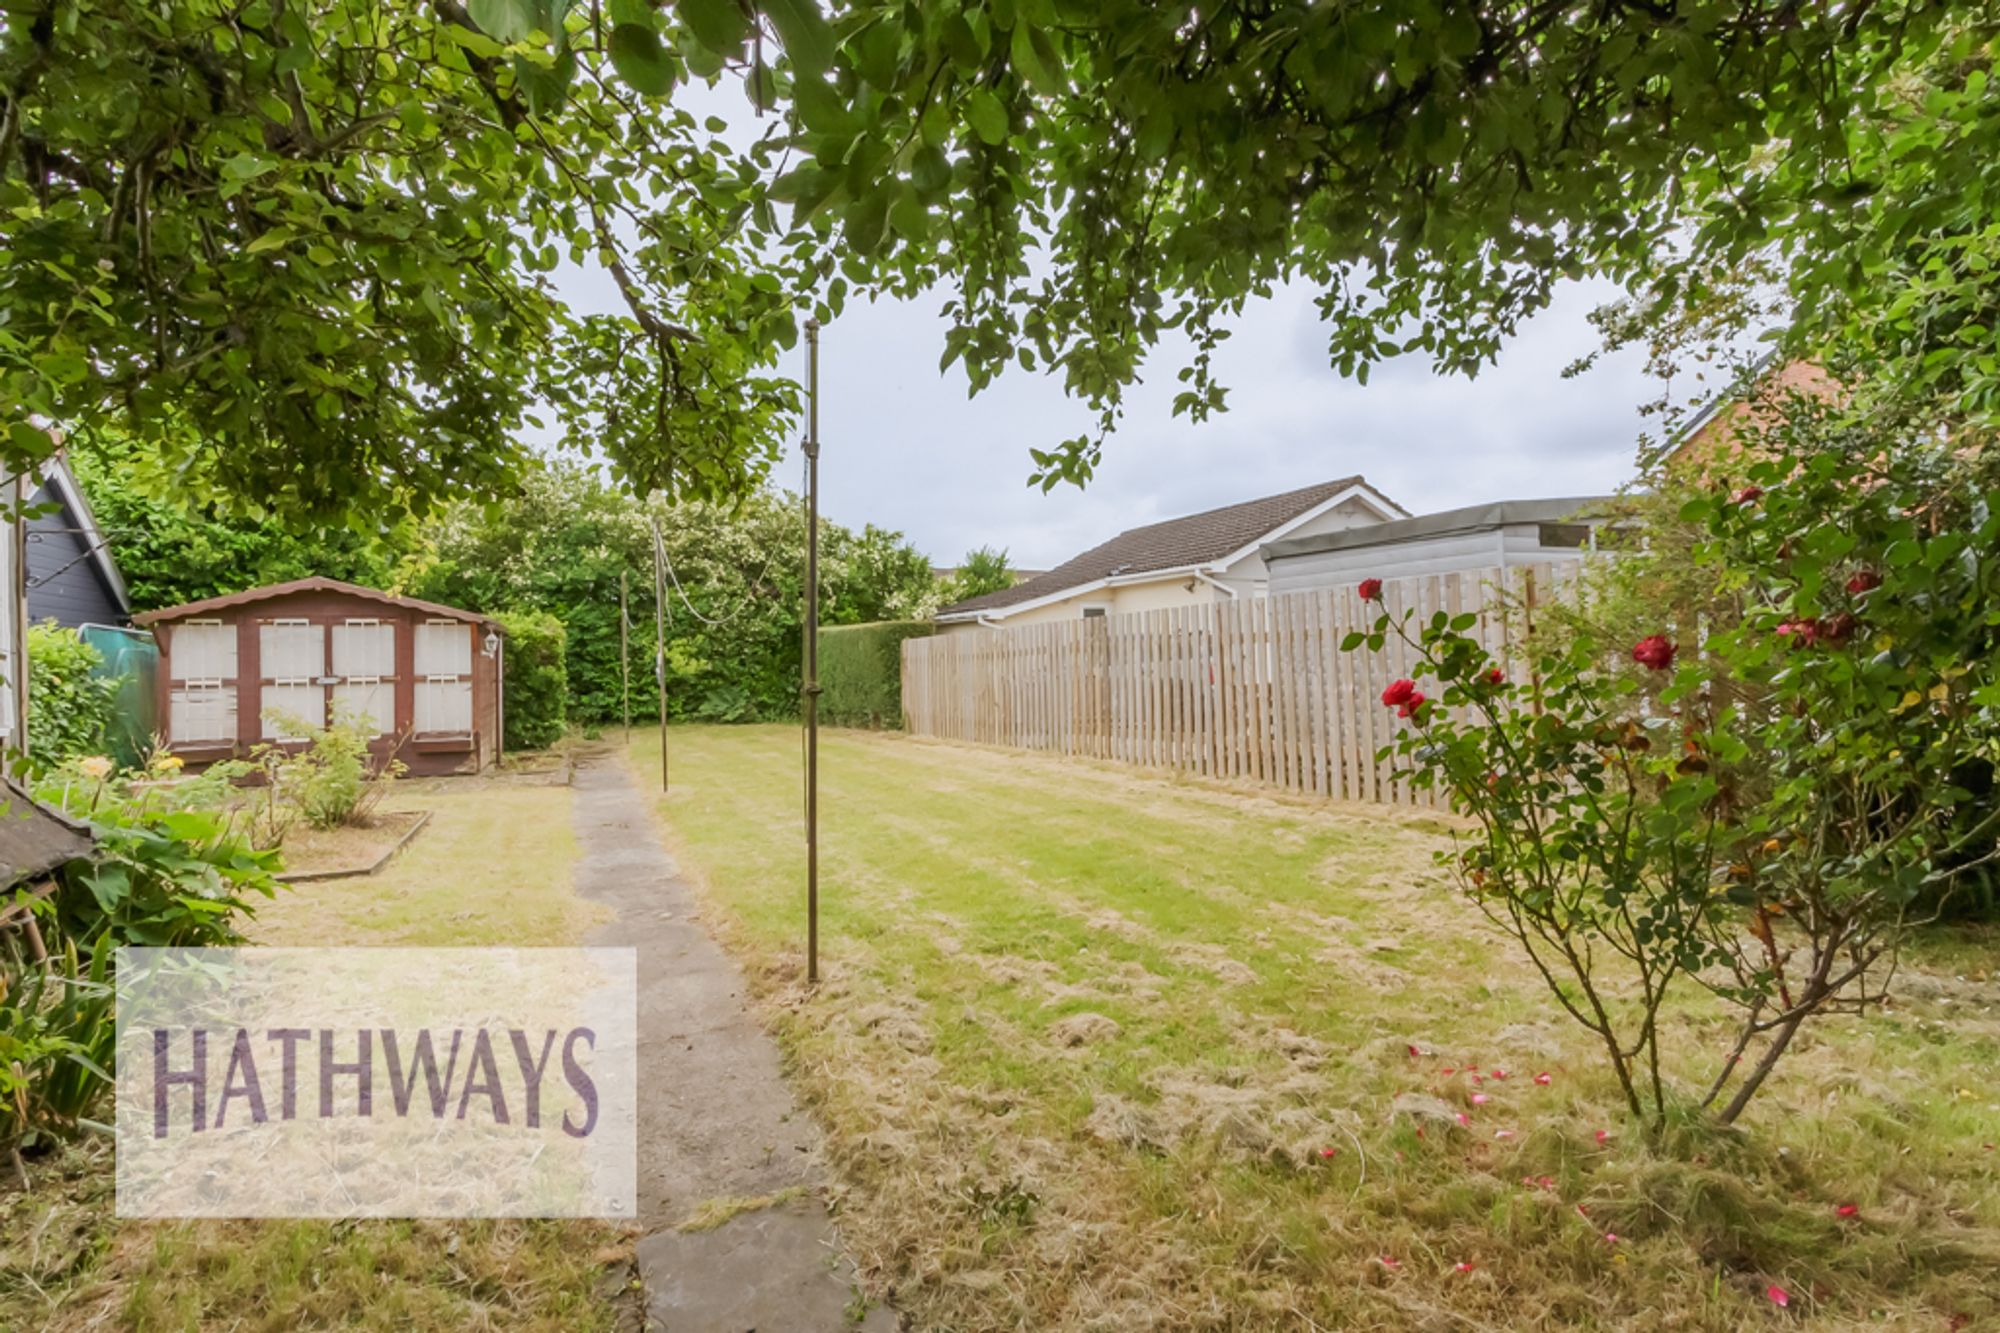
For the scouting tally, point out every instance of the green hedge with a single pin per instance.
(69, 704)
(537, 679)
(861, 672)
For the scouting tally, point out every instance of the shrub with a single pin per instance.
(162, 875)
(1771, 841)
(861, 672)
(335, 779)
(982, 571)
(536, 691)
(69, 705)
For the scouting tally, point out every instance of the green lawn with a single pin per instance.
(1086, 1039)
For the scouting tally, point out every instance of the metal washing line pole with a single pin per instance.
(810, 689)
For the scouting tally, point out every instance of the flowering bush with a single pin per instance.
(1773, 840)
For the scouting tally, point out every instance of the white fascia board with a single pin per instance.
(1365, 494)
(1002, 612)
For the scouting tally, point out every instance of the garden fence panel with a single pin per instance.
(1253, 689)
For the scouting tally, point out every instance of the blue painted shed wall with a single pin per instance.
(78, 593)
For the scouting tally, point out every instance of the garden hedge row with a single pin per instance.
(861, 672)
(536, 679)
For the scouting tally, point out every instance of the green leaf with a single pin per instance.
(547, 87)
(503, 20)
(719, 25)
(640, 59)
(987, 117)
(762, 86)
(910, 218)
(807, 39)
(1036, 61)
(863, 220)
(930, 170)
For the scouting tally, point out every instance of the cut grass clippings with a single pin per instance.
(1097, 1049)
(494, 867)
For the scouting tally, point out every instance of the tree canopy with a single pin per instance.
(305, 247)
(735, 608)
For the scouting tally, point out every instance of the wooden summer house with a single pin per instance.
(249, 667)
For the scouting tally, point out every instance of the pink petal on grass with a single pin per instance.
(1544, 1079)
(1499, 1073)
(1328, 1152)
(1777, 1295)
(1389, 1261)
(1603, 1137)
(1464, 1119)
(1847, 1210)
(1463, 1266)
(1503, 1133)
(1610, 1238)
(1480, 1099)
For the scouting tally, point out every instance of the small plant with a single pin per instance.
(335, 780)
(163, 874)
(57, 1043)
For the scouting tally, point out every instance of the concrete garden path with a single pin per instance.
(719, 1130)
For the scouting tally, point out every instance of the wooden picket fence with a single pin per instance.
(1255, 689)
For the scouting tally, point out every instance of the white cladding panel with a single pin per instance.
(202, 713)
(204, 650)
(444, 705)
(364, 648)
(291, 650)
(444, 648)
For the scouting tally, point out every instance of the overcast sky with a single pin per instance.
(904, 448)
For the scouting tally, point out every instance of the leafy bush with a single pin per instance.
(735, 622)
(69, 705)
(536, 690)
(1773, 840)
(163, 875)
(57, 1043)
(861, 672)
(982, 571)
(335, 779)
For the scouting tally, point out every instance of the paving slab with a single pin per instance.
(718, 1124)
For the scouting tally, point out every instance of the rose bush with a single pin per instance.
(1766, 817)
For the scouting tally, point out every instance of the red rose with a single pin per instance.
(1865, 580)
(1399, 692)
(1370, 590)
(1655, 652)
(1802, 633)
(1494, 677)
(1840, 628)
(1411, 704)
(1749, 495)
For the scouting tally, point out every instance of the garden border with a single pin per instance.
(319, 876)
